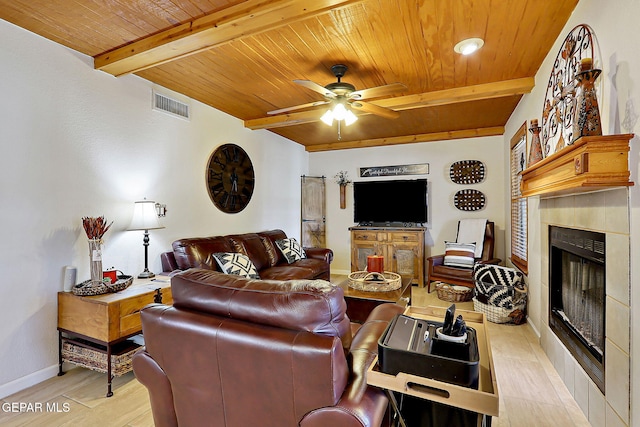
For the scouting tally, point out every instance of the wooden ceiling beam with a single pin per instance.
(408, 102)
(408, 139)
(242, 20)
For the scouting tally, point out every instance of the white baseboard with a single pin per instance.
(342, 272)
(533, 327)
(27, 381)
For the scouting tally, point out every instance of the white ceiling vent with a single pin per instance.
(171, 106)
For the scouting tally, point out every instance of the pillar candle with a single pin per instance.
(375, 264)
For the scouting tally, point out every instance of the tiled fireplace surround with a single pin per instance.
(606, 212)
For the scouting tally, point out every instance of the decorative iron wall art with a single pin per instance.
(558, 111)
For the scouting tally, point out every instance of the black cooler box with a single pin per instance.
(410, 345)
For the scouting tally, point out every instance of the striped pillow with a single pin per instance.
(459, 254)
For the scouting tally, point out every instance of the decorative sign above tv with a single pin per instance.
(375, 171)
(390, 201)
(467, 172)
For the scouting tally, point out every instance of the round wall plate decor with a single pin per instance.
(469, 200)
(467, 172)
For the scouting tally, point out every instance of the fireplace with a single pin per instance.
(577, 296)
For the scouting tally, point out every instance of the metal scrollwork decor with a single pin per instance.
(559, 109)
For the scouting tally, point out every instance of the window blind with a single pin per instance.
(518, 203)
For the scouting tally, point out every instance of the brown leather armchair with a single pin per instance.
(436, 270)
(235, 352)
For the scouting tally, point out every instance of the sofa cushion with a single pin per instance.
(459, 254)
(251, 245)
(274, 235)
(302, 305)
(286, 272)
(236, 263)
(273, 253)
(454, 272)
(291, 250)
(318, 267)
(197, 252)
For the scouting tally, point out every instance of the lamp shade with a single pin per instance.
(145, 216)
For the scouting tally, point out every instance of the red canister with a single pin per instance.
(375, 264)
(111, 274)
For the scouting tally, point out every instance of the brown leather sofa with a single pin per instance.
(260, 247)
(236, 352)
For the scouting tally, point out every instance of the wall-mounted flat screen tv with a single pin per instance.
(390, 201)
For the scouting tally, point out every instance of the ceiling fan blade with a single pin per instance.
(378, 91)
(316, 87)
(299, 107)
(375, 109)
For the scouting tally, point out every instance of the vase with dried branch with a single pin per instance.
(342, 179)
(95, 228)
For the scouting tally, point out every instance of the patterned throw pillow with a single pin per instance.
(291, 250)
(236, 263)
(459, 254)
(497, 285)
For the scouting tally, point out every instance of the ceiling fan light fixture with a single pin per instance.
(327, 118)
(468, 46)
(339, 112)
(350, 118)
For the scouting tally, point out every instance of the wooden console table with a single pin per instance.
(402, 248)
(100, 322)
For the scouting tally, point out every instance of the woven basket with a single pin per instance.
(374, 282)
(446, 292)
(496, 314)
(87, 355)
(89, 288)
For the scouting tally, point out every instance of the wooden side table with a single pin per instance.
(361, 303)
(108, 319)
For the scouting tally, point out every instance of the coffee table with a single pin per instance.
(361, 303)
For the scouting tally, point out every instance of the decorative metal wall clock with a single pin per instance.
(230, 178)
(558, 110)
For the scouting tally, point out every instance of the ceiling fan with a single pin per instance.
(342, 94)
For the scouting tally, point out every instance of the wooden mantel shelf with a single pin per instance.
(592, 163)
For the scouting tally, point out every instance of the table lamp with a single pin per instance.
(145, 217)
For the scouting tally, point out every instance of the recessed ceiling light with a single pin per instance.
(468, 46)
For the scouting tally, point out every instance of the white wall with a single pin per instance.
(78, 142)
(443, 216)
(615, 27)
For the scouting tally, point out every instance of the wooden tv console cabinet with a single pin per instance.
(402, 248)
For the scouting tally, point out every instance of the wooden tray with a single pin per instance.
(484, 400)
(375, 282)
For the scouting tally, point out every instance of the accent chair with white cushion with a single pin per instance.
(474, 244)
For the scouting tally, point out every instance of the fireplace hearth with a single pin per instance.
(577, 296)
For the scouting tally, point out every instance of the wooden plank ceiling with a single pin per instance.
(241, 57)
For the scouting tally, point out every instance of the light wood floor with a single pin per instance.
(531, 392)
